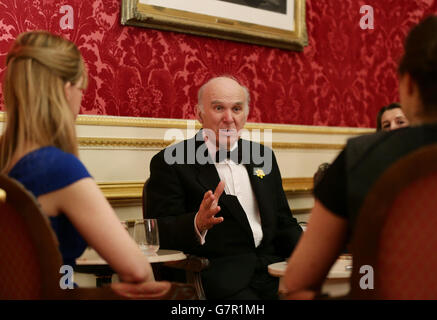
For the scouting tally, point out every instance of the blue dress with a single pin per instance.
(46, 170)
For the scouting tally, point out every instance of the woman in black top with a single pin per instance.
(341, 192)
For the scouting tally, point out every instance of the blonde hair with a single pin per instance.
(37, 111)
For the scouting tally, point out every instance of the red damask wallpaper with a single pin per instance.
(341, 79)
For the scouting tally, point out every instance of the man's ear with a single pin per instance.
(198, 112)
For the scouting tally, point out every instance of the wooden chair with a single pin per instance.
(192, 266)
(30, 259)
(396, 232)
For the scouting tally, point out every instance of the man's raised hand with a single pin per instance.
(206, 218)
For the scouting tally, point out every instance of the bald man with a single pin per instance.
(219, 196)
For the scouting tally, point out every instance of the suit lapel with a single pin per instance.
(263, 191)
(207, 174)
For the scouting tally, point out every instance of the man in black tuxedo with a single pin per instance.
(241, 230)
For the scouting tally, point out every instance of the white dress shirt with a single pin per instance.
(237, 183)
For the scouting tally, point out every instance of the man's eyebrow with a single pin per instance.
(221, 102)
(216, 102)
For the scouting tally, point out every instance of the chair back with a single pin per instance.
(395, 242)
(30, 261)
(144, 198)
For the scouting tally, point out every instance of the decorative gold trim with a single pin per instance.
(299, 211)
(120, 194)
(301, 185)
(116, 121)
(90, 120)
(289, 128)
(129, 193)
(148, 16)
(161, 143)
(305, 145)
(99, 142)
(124, 142)
(184, 124)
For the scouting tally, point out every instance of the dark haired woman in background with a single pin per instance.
(391, 117)
(341, 192)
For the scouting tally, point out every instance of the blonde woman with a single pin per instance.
(43, 86)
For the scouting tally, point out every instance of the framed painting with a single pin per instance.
(274, 23)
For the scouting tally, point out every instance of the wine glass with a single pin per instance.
(146, 235)
(129, 226)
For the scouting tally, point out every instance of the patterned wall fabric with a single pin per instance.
(341, 79)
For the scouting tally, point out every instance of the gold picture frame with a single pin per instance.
(137, 13)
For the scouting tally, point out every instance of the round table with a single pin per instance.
(91, 257)
(337, 280)
(90, 262)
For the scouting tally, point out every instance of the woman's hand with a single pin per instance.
(299, 295)
(151, 290)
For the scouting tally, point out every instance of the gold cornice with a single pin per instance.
(297, 185)
(123, 142)
(134, 122)
(129, 193)
(288, 128)
(306, 145)
(102, 142)
(121, 194)
(161, 143)
(92, 120)
(182, 124)
(300, 211)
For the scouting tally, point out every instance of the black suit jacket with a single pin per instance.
(174, 194)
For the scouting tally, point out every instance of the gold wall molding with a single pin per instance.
(306, 145)
(102, 142)
(301, 211)
(134, 122)
(300, 185)
(129, 193)
(90, 120)
(123, 193)
(123, 142)
(288, 128)
(183, 123)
